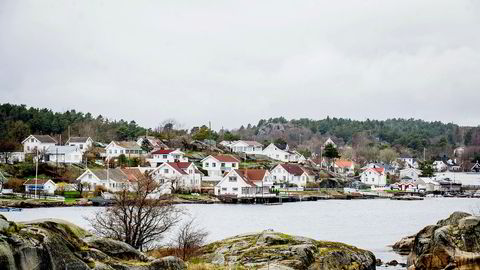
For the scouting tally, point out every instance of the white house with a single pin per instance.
(82, 143)
(410, 173)
(248, 147)
(127, 148)
(241, 183)
(63, 154)
(475, 167)
(180, 175)
(157, 144)
(41, 185)
(111, 179)
(168, 155)
(291, 174)
(217, 166)
(40, 142)
(409, 162)
(343, 166)
(374, 177)
(283, 154)
(439, 166)
(329, 141)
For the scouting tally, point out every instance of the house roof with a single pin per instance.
(376, 170)
(226, 158)
(78, 139)
(281, 147)
(155, 142)
(38, 182)
(293, 169)
(42, 138)
(162, 151)
(253, 174)
(344, 163)
(133, 174)
(115, 174)
(61, 149)
(128, 144)
(251, 143)
(245, 177)
(180, 166)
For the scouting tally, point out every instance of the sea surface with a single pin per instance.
(374, 225)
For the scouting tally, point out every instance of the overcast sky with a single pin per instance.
(235, 62)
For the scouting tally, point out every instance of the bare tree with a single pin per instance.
(135, 218)
(189, 239)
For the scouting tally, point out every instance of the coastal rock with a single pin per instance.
(281, 251)
(405, 245)
(453, 243)
(57, 244)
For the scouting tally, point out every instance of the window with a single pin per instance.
(115, 151)
(206, 164)
(127, 151)
(233, 165)
(222, 165)
(81, 146)
(232, 179)
(224, 189)
(165, 170)
(165, 157)
(89, 176)
(28, 148)
(121, 151)
(32, 140)
(110, 151)
(284, 178)
(190, 171)
(234, 189)
(214, 164)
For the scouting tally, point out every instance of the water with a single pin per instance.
(370, 224)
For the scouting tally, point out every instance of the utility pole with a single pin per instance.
(36, 174)
(424, 154)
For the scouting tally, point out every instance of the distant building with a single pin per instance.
(166, 155)
(248, 147)
(242, 183)
(374, 177)
(82, 143)
(282, 153)
(40, 142)
(179, 175)
(155, 143)
(217, 166)
(346, 167)
(111, 179)
(41, 186)
(476, 167)
(127, 148)
(411, 173)
(291, 174)
(63, 154)
(439, 166)
(329, 141)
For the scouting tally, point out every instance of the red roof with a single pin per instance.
(226, 158)
(344, 163)
(293, 169)
(180, 166)
(253, 174)
(162, 151)
(133, 174)
(248, 181)
(376, 170)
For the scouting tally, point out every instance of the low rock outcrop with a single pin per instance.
(55, 244)
(273, 250)
(453, 243)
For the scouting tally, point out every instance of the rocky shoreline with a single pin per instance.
(452, 243)
(57, 244)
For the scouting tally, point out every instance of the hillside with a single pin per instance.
(408, 136)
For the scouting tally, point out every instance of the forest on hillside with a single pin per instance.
(406, 136)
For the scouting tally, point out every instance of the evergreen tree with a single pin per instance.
(331, 151)
(146, 146)
(426, 168)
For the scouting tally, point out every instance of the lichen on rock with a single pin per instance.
(282, 251)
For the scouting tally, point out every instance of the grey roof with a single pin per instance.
(115, 174)
(128, 145)
(61, 149)
(45, 138)
(78, 139)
